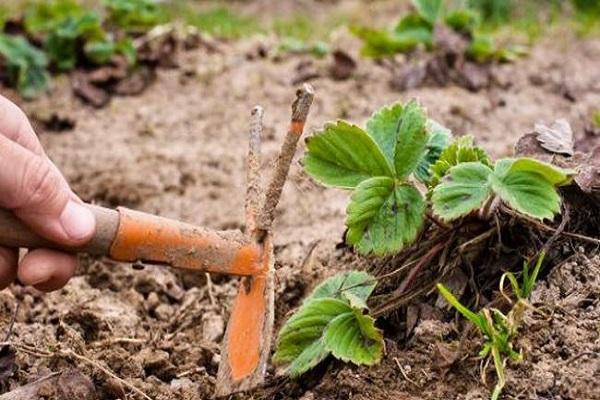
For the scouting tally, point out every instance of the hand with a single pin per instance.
(36, 192)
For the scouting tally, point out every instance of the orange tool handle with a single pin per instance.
(133, 236)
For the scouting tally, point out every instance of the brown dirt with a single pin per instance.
(178, 150)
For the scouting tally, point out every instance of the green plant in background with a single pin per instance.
(69, 29)
(332, 320)
(386, 210)
(25, 64)
(495, 12)
(416, 28)
(134, 15)
(222, 22)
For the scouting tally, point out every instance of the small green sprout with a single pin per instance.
(523, 291)
(332, 320)
(498, 331)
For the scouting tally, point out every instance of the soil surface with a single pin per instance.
(178, 150)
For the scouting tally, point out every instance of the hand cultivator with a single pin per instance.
(132, 236)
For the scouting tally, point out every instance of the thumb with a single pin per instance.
(32, 187)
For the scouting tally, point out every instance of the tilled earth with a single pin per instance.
(178, 150)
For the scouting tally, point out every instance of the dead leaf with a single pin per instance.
(456, 282)
(89, 93)
(528, 145)
(343, 65)
(474, 76)
(409, 76)
(557, 138)
(135, 83)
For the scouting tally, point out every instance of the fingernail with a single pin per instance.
(78, 221)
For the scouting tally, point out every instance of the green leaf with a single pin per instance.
(482, 48)
(414, 29)
(380, 43)
(382, 218)
(343, 155)
(355, 283)
(134, 15)
(464, 189)
(526, 191)
(63, 41)
(100, 51)
(25, 65)
(476, 319)
(459, 151)
(463, 20)
(45, 16)
(412, 139)
(300, 340)
(439, 138)
(555, 175)
(353, 337)
(430, 10)
(308, 359)
(384, 127)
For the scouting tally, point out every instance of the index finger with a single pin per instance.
(15, 126)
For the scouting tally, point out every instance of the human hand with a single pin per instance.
(35, 191)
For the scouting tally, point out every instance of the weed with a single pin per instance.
(523, 291)
(498, 329)
(332, 320)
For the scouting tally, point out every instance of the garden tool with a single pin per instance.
(132, 236)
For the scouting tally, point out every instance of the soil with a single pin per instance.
(178, 150)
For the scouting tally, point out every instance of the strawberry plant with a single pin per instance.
(386, 210)
(25, 65)
(417, 28)
(400, 146)
(133, 15)
(332, 320)
(68, 30)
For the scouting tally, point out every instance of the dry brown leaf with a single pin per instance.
(557, 138)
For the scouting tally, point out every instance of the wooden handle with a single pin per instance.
(14, 233)
(133, 236)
